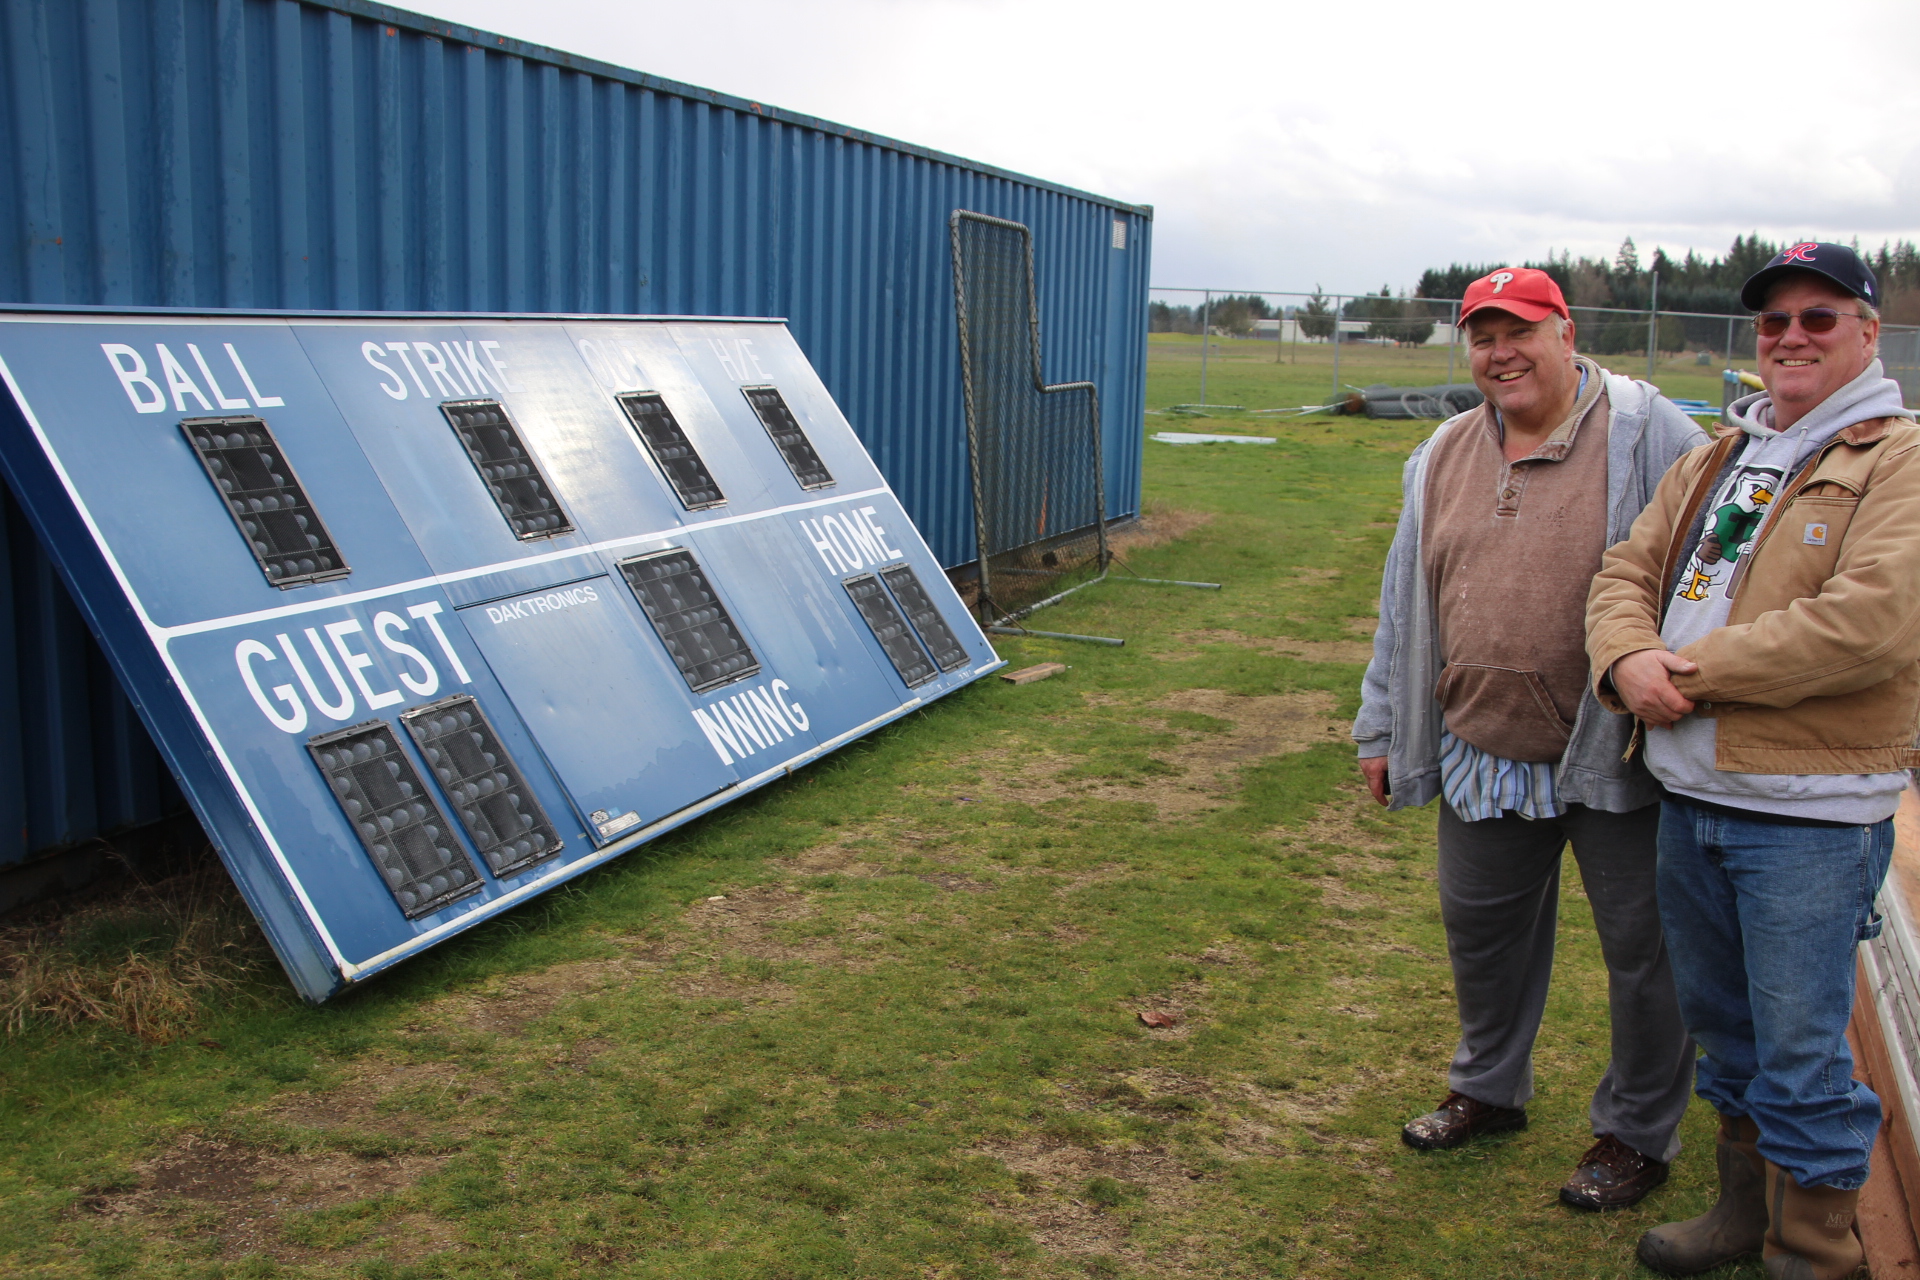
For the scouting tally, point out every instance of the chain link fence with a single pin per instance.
(1620, 338)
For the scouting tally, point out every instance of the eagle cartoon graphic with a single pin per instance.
(1730, 530)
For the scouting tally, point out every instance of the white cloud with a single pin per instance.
(1285, 143)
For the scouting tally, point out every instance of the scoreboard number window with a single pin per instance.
(671, 451)
(789, 437)
(490, 795)
(268, 504)
(896, 638)
(695, 626)
(945, 647)
(506, 467)
(397, 822)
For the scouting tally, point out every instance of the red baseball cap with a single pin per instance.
(1528, 293)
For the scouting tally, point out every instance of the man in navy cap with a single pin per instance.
(1762, 624)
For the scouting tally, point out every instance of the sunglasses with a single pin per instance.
(1771, 324)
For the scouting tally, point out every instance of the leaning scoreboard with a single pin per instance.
(428, 615)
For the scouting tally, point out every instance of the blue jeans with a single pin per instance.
(1763, 920)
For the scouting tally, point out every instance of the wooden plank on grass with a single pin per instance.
(1027, 675)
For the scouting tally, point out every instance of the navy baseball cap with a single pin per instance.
(1834, 261)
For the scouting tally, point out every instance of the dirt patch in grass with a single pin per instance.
(1198, 774)
(1349, 823)
(1187, 645)
(416, 1103)
(505, 1007)
(241, 1199)
(1083, 1204)
(1155, 528)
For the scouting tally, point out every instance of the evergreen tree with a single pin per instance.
(1316, 317)
(1627, 261)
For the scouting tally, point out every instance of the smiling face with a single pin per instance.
(1801, 369)
(1524, 367)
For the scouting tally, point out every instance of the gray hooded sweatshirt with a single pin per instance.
(1398, 716)
(1744, 499)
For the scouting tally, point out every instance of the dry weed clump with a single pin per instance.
(145, 958)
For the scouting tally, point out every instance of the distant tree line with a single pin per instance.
(1693, 283)
(1398, 319)
(1230, 314)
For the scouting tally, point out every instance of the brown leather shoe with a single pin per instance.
(1459, 1120)
(1612, 1175)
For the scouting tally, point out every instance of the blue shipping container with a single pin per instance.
(340, 155)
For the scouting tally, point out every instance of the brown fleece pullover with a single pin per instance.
(1510, 551)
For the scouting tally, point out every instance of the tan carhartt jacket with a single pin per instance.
(1818, 667)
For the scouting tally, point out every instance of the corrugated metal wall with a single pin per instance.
(350, 156)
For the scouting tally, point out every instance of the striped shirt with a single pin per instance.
(1478, 785)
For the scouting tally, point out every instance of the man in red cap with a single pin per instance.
(1478, 695)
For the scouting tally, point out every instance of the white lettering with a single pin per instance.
(727, 365)
(357, 664)
(179, 382)
(737, 359)
(862, 538)
(717, 735)
(747, 356)
(226, 401)
(457, 373)
(429, 614)
(824, 547)
(400, 349)
(373, 351)
(842, 542)
(768, 708)
(470, 365)
(499, 368)
(332, 710)
(429, 682)
(743, 724)
(245, 653)
(879, 533)
(134, 375)
(436, 366)
(794, 709)
(246, 379)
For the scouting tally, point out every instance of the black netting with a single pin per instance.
(1039, 508)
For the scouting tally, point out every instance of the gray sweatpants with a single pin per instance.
(1500, 899)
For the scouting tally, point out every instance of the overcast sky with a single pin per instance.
(1285, 145)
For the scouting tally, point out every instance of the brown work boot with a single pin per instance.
(1735, 1227)
(1612, 1175)
(1459, 1120)
(1810, 1233)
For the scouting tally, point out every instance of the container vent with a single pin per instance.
(660, 432)
(694, 625)
(789, 438)
(890, 629)
(397, 821)
(490, 795)
(945, 647)
(507, 468)
(266, 500)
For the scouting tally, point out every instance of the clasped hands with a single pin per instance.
(1644, 681)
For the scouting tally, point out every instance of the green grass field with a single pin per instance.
(1243, 371)
(881, 1020)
